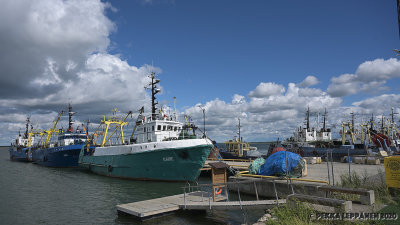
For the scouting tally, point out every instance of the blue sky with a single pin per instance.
(232, 46)
(262, 61)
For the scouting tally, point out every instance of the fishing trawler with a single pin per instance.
(163, 148)
(238, 149)
(62, 152)
(361, 141)
(19, 148)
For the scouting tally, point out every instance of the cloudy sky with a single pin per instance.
(262, 61)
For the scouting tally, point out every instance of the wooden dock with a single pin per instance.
(237, 165)
(198, 200)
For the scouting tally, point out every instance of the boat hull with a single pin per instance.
(168, 164)
(19, 155)
(230, 155)
(63, 156)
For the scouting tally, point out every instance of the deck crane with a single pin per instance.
(52, 129)
(188, 123)
(118, 124)
(141, 110)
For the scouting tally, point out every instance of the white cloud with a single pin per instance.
(308, 81)
(269, 117)
(55, 52)
(370, 77)
(46, 42)
(380, 104)
(267, 89)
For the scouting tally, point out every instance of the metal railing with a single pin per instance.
(197, 187)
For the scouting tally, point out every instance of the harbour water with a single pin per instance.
(33, 194)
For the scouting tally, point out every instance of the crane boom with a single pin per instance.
(119, 124)
(52, 129)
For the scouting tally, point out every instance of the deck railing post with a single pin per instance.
(255, 188)
(240, 201)
(276, 193)
(184, 196)
(327, 165)
(227, 193)
(291, 185)
(333, 174)
(348, 160)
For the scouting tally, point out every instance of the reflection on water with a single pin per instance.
(32, 194)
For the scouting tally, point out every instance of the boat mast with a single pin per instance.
(70, 113)
(324, 124)
(308, 119)
(154, 91)
(27, 127)
(352, 122)
(239, 129)
(392, 114)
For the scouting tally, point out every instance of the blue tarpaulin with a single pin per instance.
(275, 165)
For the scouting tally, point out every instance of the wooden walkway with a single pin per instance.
(198, 200)
(236, 165)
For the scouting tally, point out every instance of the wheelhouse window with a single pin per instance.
(164, 127)
(159, 127)
(152, 128)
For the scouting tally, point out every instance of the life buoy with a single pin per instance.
(218, 192)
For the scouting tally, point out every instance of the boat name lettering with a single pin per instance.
(168, 159)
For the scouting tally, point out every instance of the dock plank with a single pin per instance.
(192, 200)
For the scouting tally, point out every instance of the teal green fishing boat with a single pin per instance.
(163, 148)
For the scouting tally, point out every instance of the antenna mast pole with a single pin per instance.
(154, 91)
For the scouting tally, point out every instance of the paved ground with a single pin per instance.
(320, 171)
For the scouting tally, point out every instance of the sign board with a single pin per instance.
(392, 171)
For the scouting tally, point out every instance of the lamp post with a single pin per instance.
(204, 121)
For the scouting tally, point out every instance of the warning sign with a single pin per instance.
(392, 171)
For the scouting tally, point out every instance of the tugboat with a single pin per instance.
(163, 149)
(238, 149)
(63, 152)
(19, 149)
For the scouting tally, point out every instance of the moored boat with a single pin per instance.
(164, 148)
(19, 148)
(239, 149)
(63, 152)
